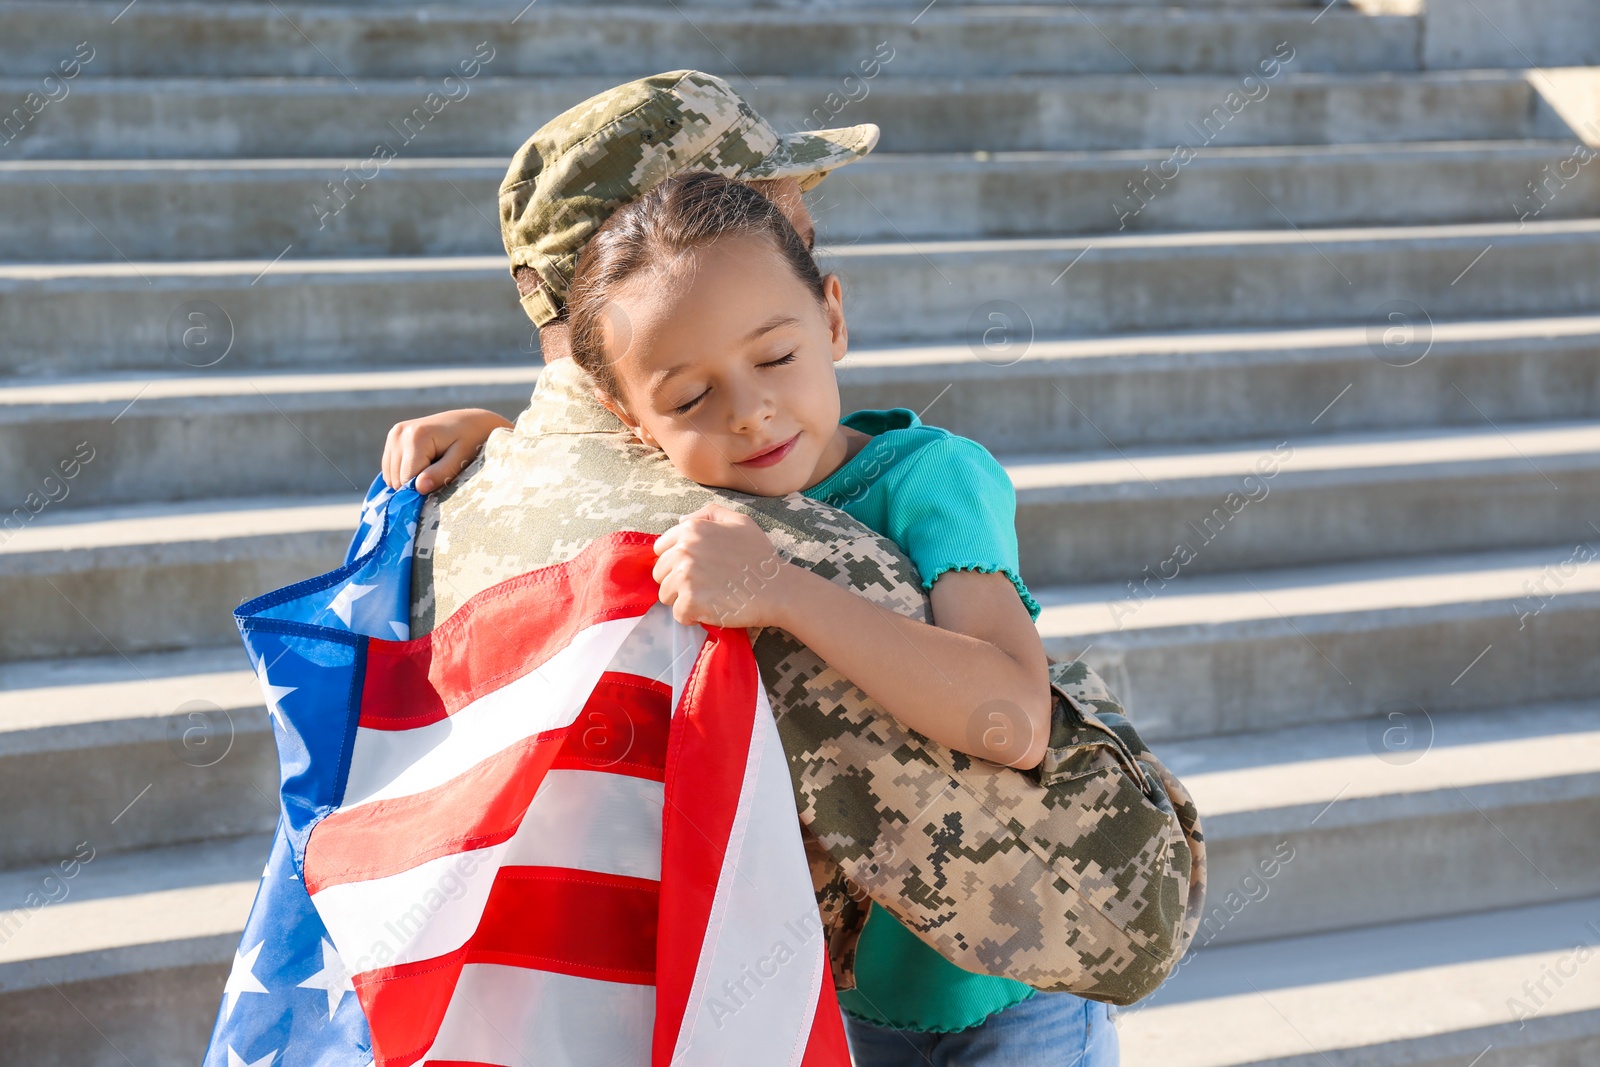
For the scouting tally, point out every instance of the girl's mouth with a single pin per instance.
(771, 456)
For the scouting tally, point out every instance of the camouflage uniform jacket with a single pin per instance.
(1084, 875)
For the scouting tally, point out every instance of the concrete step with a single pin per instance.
(131, 753)
(1104, 514)
(136, 944)
(911, 7)
(1144, 389)
(1506, 988)
(1456, 813)
(1136, 390)
(163, 38)
(214, 433)
(148, 577)
(196, 437)
(1204, 654)
(1296, 277)
(316, 117)
(1122, 515)
(993, 294)
(262, 314)
(1196, 654)
(225, 209)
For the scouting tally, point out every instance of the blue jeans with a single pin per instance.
(1046, 1030)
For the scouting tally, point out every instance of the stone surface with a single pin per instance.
(189, 209)
(1510, 33)
(159, 38)
(1429, 993)
(156, 118)
(455, 309)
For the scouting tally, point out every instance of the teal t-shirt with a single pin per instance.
(949, 506)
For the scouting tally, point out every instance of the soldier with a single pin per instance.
(934, 837)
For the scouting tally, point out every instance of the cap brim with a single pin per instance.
(810, 156)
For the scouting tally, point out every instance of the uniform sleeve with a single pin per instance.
(952, 508)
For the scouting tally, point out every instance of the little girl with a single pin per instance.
(711, 334)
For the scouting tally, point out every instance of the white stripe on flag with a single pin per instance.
(397, 763)
(592, 821)
(662, 650)
(760, 969)
(583, 819)
(651, 648)
(418, 914)
(511, 1016)
(588, 820)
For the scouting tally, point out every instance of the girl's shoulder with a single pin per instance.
(904, 463)
(943, 498)
(901, 438)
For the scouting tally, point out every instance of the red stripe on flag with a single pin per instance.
(582, 923)
(826, 1047)
(404, 1006)
(625, 721)
(474, 810)
(705, 770)
(622, 729)
(557, 919)
(505, 632)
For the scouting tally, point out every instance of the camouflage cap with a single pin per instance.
(607, 151)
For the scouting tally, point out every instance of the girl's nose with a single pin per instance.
(751, 406)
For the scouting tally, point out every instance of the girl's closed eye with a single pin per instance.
(688, 406)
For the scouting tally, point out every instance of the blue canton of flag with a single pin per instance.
(288, 1000)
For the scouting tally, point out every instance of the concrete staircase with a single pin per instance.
(1306, 441)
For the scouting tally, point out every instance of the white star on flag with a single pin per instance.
(272, 693)
(241, 979)
(333, 979)
(236, 1060)
(346, 597)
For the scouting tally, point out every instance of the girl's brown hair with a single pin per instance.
(683, 213)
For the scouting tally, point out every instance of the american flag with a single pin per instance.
(556, 830)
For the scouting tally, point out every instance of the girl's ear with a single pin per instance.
(614, 406)
(838, 330)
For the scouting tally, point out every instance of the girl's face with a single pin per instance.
(727, 367)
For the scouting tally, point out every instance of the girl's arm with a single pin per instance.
(436, 448)
(978, 682)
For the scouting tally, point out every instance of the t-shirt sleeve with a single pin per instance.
(952, 508)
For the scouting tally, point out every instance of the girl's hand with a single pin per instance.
(717, 567)
(436, 448)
